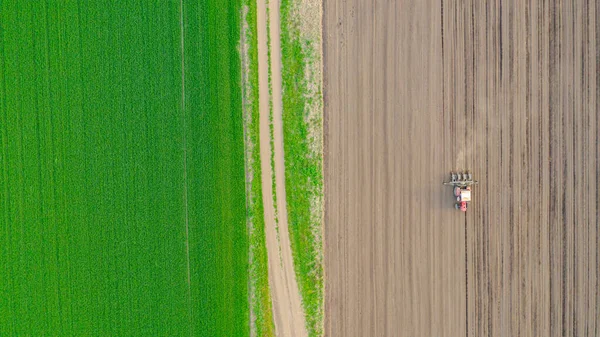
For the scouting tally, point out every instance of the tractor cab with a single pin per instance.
(465, 195)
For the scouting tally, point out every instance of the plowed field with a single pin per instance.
(507, 89)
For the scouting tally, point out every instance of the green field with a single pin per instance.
(123, 189)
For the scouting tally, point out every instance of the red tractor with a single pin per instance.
(462, 182)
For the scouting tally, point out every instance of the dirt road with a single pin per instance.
(287, 305)
(508, 89)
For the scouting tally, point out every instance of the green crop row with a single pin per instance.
(216, 174)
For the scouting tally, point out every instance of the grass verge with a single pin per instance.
(302, 127)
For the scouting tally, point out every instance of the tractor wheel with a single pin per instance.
(457, 191)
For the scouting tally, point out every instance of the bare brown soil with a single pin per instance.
(508, 89)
